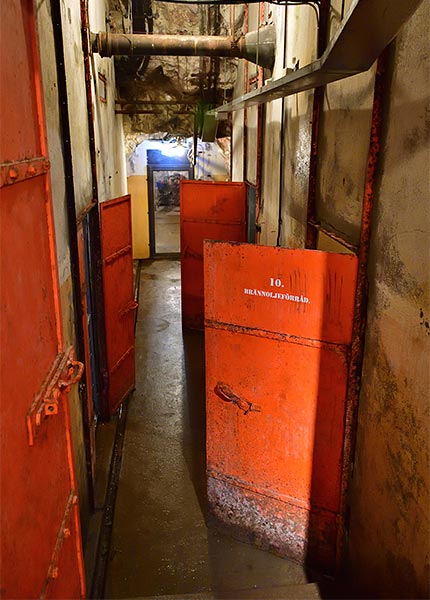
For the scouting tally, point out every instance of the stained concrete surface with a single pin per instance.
(162, 541)
(167, 226)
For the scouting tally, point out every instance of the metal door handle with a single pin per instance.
(132, 305)
(224, 391)
(75, 371)
(63, 373)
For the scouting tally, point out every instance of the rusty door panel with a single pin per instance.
(118, 298)
(276, 379)
(37, 471)
(85, 326)
(209, 210)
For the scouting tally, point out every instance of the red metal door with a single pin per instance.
(209, 210)
(278, 329)
(118, 298)
(41, 551)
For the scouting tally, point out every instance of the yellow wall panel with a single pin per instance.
(138, 190)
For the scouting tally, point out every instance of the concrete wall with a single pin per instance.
(389, 536)
(388, 549)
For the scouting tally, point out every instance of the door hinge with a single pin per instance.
(64, 372)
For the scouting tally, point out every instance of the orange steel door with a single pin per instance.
(41, 551)
(118, 298)
(209, 210)
(278, 329)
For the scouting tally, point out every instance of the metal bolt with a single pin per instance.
(54, 573)
(31, 170)
(51, 408)
(66, 532)
(13, 174)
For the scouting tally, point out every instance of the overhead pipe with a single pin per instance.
(257, 46)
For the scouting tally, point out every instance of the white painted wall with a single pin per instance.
(74, 64)
(109, 135)
(53, 130)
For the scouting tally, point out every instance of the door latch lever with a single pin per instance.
(224, 391)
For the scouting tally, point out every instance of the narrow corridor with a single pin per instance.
(162, 540)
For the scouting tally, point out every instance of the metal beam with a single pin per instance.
(368, 27)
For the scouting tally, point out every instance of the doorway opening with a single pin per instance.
(165, 171)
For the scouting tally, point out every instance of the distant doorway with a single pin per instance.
(164, 175)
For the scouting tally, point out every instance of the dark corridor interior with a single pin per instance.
(163, 541)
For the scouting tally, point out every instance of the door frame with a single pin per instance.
(151, 203)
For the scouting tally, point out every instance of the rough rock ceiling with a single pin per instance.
(163, 94)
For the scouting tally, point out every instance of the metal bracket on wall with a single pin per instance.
(368, 27)
(65, 371)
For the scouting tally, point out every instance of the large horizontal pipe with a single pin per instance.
(257, 47)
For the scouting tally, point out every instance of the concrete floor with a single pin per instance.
(167, 231)
(162, 541)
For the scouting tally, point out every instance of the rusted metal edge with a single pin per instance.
(14, 172)
(341, 349)
(360, 310)
(317, 106)
(89, 207)
(63, 533)
(337, 238)
(260, 142)
(103, 547)
(311, 233)
(114, 201)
